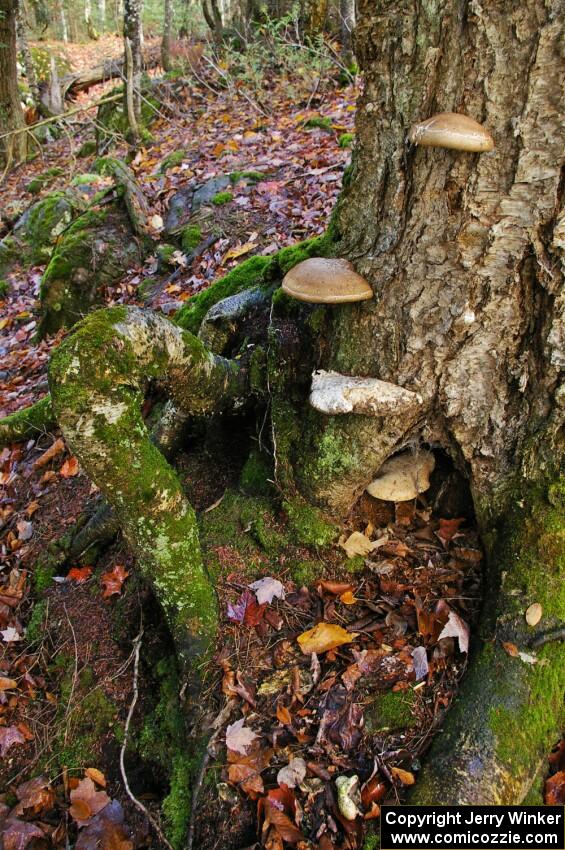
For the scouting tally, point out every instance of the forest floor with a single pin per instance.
(358, 699)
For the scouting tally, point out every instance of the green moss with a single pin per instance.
(172, 160)
(145, 287)
(305, 573)
(372, 839)
(222, 198)
(27, 422)
(165, 253)
(250, 176)
(46, 221)
(355, 565)
(176, 805)
(391, 710)
(85, 179)
(318, 124)
(190, 237)
(254, 271)
(87, 148)
(346, 140)
(308, 525)
(42, 180)
(319, 246)
(4, 288)
(36, 623)
(255, 475)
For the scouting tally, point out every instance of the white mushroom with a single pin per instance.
(346, 790)
(403, 476)
(334, 393)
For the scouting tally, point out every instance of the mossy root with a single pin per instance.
(27, 423)
(97, 378)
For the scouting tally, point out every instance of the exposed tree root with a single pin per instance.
(28, 422)
(98, 376)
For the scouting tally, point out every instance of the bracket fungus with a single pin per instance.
(451, 130)
(320, 280)
(334, 393)
(402, 477)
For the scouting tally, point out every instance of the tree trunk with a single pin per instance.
(347, 24)
(102, 14)
(465, 255)
(23, 46)
(132, 34)
(167, 35)
(317, 13)
(14, 148)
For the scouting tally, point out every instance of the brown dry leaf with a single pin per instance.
(17, 834)
(54, 449)
(96, 775)
(283, 825)
(105, 831)
(238, 251)
(34, 796)
(70, 468)
(239, 738)
(323, 637)
(511, 649)
(7, 684)
(283, 715)
(555, 789)
(247, 778)
(448, 528)
(403, 776)
(113, 580)
(86, 801)
(335, 587)
(9, 737)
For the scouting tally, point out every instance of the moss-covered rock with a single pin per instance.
(190, 237)
(87, 148)
(112, 121)
(391, 710)
(95, 252)
(222, 198)
(42, 180)
(172, 160)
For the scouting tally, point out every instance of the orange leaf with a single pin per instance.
(510, 649)
(113, 580)
(404, 776)
(79, 574)
(7, 684)
(96, 775)
(347, 598)
(284, 715)
(323, 637)
(70, 468)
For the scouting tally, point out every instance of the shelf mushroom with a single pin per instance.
(320, 280)
(451, 130)
(403, 477)
(334, 393)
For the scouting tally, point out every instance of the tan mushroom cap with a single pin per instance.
(451, 130)
(326, 281)
(403, 476)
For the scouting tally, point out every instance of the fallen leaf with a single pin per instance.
(79, 574)
(238, 251)
(105, 831)
(54, 449)
(323, 637)
(420, 659)
(7, 684)
(113, 580)
(267, 589)
(534, 614)
(10, 635)
(86, 801)
(448, 528)
(358, 544)
(347, 598)
(403, 776)
(335, 587)
(247, 778)
(25, 530)
(17, 834)
(293, 774)
(510, 649)
(34, 796)
(555, 789)
(239, 738)
(70, 468)
(456, 627)
(9, 737)
(284, 715)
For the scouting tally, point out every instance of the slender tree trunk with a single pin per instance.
(317, 14)
(132, 33)
(167, 35)
(102, 14)
(347, 23)
(64, 26)
(26, 53)
(14, 148)
(213, 18)
(465, 253)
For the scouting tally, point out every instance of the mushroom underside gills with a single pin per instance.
(334, 393)
(403, 477)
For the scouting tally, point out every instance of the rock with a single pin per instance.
(403, 477)
(206, 193)
(178, 213)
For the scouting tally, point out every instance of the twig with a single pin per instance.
(61, 117)
(548, 637)
(137, 803)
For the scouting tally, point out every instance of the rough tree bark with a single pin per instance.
(26, 53)
(167, 35)
(132, 34)
(347, 24)
(465, 256)
(14, 148)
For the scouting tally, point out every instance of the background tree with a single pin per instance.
(132, 40)
(167, 34)
(13, 148)
(347, 25)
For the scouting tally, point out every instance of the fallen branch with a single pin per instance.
(62, 117)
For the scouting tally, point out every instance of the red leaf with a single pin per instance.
(70, 468)
(113, 580)
(79, 574)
